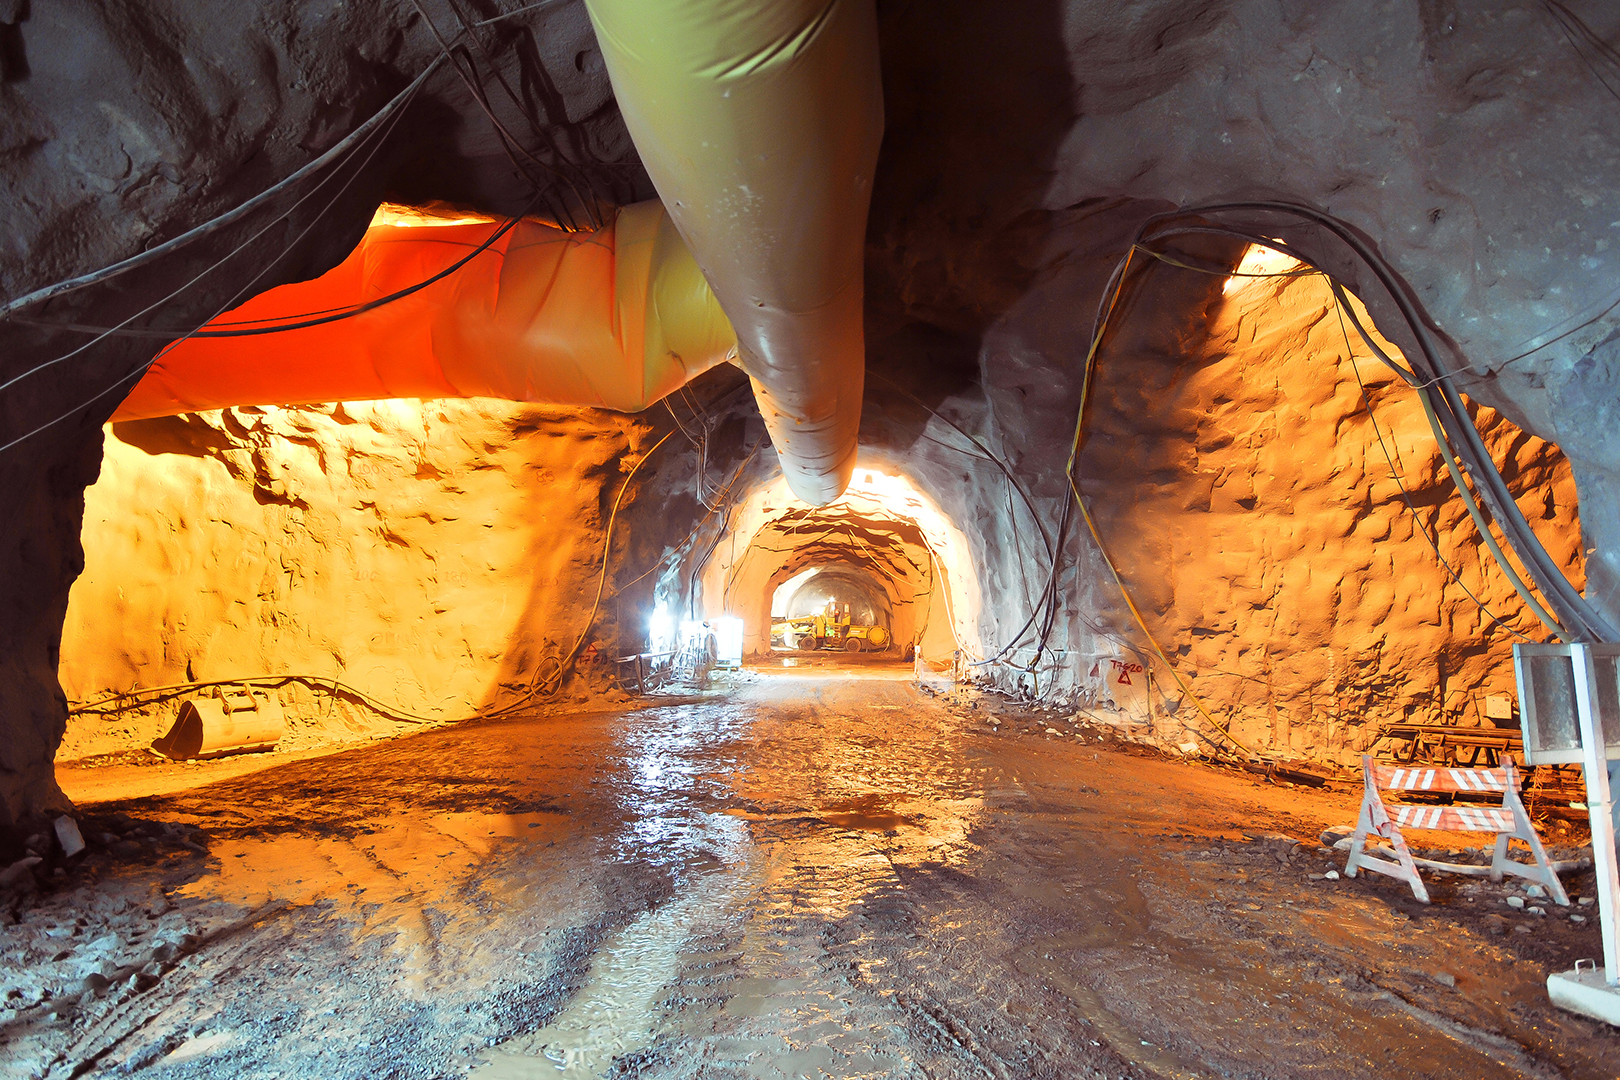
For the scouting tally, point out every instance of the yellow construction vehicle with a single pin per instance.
(830, 627)
(866, 638)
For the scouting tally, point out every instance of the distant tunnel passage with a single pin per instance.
(883, 547)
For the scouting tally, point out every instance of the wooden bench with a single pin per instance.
(1509, 822)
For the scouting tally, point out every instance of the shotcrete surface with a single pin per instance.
(825, 872)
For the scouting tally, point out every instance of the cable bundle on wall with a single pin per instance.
(1571, 617)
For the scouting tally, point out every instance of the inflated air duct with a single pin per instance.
(615, 319)
(759, 123)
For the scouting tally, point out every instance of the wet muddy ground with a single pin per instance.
(823, 873)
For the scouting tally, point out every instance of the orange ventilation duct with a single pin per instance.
(614, 319)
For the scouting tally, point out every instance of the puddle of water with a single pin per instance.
(419, 856)
(869, 813)
(384, 880)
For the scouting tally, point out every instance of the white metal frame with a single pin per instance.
(1599, 807)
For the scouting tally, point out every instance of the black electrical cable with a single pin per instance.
(520, 11)
(1106, 303)
(1574, 28)
(338, 315)
(102, 332)
(1453, 424)
(1407, 498)
(508, 140)
(145, 365)
(1049, 594)
(538, 685)
(590, 206)
(1577, 615)
(339, 150)
(1469, 371)
(720, 501)
(984, 451)
(1341, 307)
(1573, 610)
(1464, 492)
(151, 695)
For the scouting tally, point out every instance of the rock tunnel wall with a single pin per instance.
(431, 555)
(1241, 487)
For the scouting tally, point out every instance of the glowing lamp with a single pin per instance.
(728, 633)
(660, 632)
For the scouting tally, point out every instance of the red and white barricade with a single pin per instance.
(1509, 822)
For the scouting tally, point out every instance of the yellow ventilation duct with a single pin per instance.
(759, 123)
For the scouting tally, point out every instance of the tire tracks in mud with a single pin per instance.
(135, 1014)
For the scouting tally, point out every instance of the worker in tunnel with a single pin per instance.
(807, 538)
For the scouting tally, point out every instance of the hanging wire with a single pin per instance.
(340, 150)
(142, 367)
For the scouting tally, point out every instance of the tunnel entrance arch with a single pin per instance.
(883, 530)
(804, 593)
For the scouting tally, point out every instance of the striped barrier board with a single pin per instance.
(1453, 818)
(1509, 822)
(1395, 779)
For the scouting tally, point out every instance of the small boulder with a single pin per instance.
(1444, 978)
(1516, 903)
(19, 875)
(106, 943)
(1331, 875)
(68, 835)
(1536, 892)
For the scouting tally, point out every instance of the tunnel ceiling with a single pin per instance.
(1475, 147)
(1433, 129)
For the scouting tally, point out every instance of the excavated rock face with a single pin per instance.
(436, 556)
(1275, 528)
(1471, 144)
